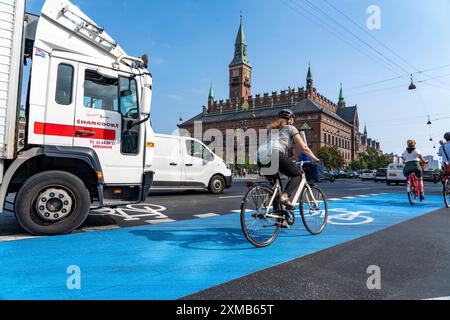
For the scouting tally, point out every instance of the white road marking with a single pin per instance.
(206, 215)
(349, 198)
(17, 238)
(334, 199)
(232, 197)
(154, 222)
(439, 299)
(104, 228)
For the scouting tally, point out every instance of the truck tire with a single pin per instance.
(217, 185)
(52, 203)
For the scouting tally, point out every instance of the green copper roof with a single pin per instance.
(341, 94)
(240, 51)
(310, 76)
(211, 92)
(305, 127)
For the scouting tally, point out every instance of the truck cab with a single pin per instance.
(88, 140)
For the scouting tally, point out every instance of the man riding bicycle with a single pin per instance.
(281, 145)
(414, 163)
(444, 151)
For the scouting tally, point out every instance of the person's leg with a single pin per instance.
(290, 169)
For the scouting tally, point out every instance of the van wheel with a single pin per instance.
(217, 185)
(52, 203)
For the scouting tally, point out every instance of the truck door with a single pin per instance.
(198, 169)
(56, 128)
(107, 106)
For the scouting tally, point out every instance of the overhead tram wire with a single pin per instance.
(319, 21)
(378, 41)
(397, 78)
(389, 60)
(330, 30)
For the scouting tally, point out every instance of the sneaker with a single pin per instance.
(289, 206)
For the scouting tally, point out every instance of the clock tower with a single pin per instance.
(240, 69)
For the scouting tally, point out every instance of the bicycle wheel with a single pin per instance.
(447, 193)
(260, 230)
(412, 196)
(314, 210)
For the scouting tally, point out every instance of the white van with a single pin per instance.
(395, 174)
(182, 163)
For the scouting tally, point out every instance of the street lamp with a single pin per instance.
(412, 86)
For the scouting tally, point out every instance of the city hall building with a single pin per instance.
(323, 121)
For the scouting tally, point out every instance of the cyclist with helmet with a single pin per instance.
(413, 165)
(444, 151)
(287, 137)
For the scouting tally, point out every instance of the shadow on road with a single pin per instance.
(217, 239)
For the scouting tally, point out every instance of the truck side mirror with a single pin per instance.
(146, 97)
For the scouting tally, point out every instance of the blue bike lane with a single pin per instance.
(173, 260)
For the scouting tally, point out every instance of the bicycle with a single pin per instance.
(413, 189)
(262, 215)
(446, 183)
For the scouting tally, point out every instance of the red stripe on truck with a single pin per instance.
(59, 130)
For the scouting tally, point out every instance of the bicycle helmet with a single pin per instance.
(287, 114)
(447, 136)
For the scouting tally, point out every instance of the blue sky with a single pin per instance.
(191, 43)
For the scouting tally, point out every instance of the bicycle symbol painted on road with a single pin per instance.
(135, 212)
(349, 218)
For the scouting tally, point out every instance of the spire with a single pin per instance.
(309, 79)
(341, 102)
(365, 130)
(211, 92)
(310, 76)
(240, 51)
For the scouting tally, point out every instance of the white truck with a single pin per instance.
(182, 163)
(88, 138)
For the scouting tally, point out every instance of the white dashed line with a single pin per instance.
(207, 215)
(154, 222)
(104, 228)
(232, 197)
(17, 238)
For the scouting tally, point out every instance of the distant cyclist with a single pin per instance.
(281, 146)
(444, 151)
(413, 165)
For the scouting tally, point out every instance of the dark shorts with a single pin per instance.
(413, 167)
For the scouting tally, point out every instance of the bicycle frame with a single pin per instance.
(277, 192)
(413, 185)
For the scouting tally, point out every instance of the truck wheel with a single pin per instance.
(217, 185)
(52, 203)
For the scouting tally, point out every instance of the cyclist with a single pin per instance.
(281, 146)
(413, 165)
(444, 151)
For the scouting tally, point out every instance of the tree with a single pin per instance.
(371, 160)
(331, 157)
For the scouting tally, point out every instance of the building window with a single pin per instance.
(64, 85)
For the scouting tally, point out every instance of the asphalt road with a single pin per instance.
(166, 207)
(189, 244)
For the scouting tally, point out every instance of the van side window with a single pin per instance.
(198, 150)
(100, 92)
(64, 85)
